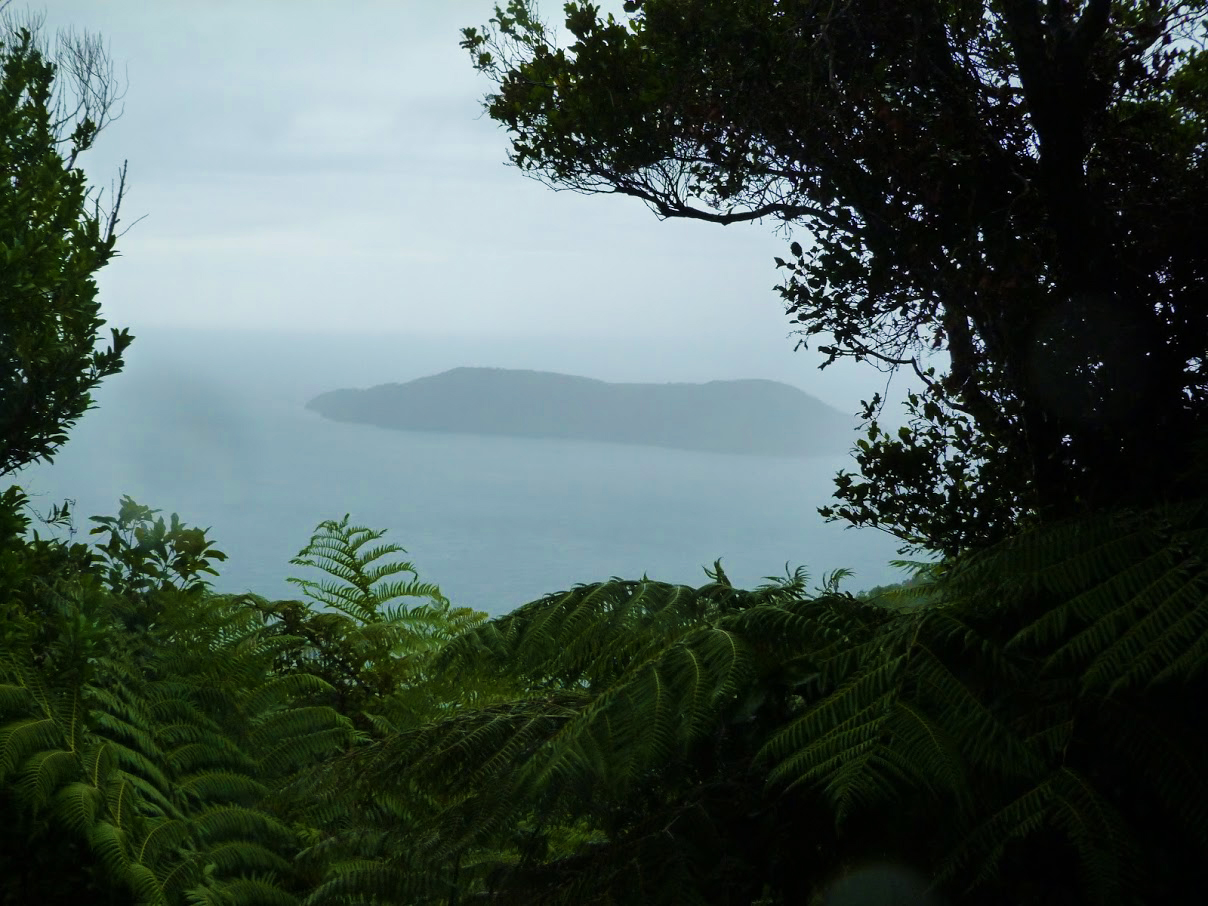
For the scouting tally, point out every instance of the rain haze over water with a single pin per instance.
(325, 205)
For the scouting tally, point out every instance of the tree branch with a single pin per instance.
(782, 210)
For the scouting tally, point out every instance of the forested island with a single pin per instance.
(739, 416)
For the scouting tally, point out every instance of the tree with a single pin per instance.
(1007, 184)
(53, 239)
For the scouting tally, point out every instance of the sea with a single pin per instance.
(213, 427)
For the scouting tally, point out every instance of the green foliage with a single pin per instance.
(180, 741)
(995, 196)
(356, 634)
(143, 555)
(1019, 726)
(335, 549)
(51, 246)
(669, 744)
(630, 695)
(150, 730)
(917, 591)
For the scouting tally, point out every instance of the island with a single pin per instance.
(740, 416)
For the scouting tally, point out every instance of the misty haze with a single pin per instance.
(214, 425)
(300, 238)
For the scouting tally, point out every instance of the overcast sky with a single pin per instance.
(327, 166)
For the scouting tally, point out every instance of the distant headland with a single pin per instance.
(747, 416)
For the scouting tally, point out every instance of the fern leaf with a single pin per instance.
(233, 822)
(110, 844)
(262, 890)
(1100, 836)
(147, 889)
(45, 773)
(79, 804)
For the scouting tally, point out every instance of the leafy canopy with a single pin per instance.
(53, 239)
(996, 195)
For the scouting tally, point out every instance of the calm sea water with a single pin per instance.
(494, 521)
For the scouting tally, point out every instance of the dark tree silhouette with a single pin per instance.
(1011, 186)
(54, 237)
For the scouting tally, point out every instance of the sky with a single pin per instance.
(328, 168)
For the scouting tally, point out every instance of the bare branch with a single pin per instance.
(86, 91)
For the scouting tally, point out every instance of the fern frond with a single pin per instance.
(926, 752)
(296, 737)
(79, 804)
(244, 855)
(589, 635)
(206, 750)
(14, 699)
(146, 886)
(359, 589)
(1100, 836)
(982, 734)
(985, 844)
(162, 837)
(110, 844)
(234, 822)
(274, 693)
(45, 773)
(368, 881)
(846, 721)
(1123, 599)
(22, 738)
(153, 797)
(257, 890)
(223, 786)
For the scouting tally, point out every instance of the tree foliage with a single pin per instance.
(1025, 734)
(1014, 726)
(714, 745)
(165, 738)
(53, 239)
(1003, 185)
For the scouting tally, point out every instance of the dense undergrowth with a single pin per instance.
(1019, 727)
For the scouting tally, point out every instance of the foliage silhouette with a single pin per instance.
(53, 240)
(994, 194)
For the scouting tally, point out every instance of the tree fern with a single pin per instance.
(361, 589)
(987, 697)
(373, 648)
(628, 741)
(994, 697)
(621, 680)
(1122, 600)
(152, 745)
